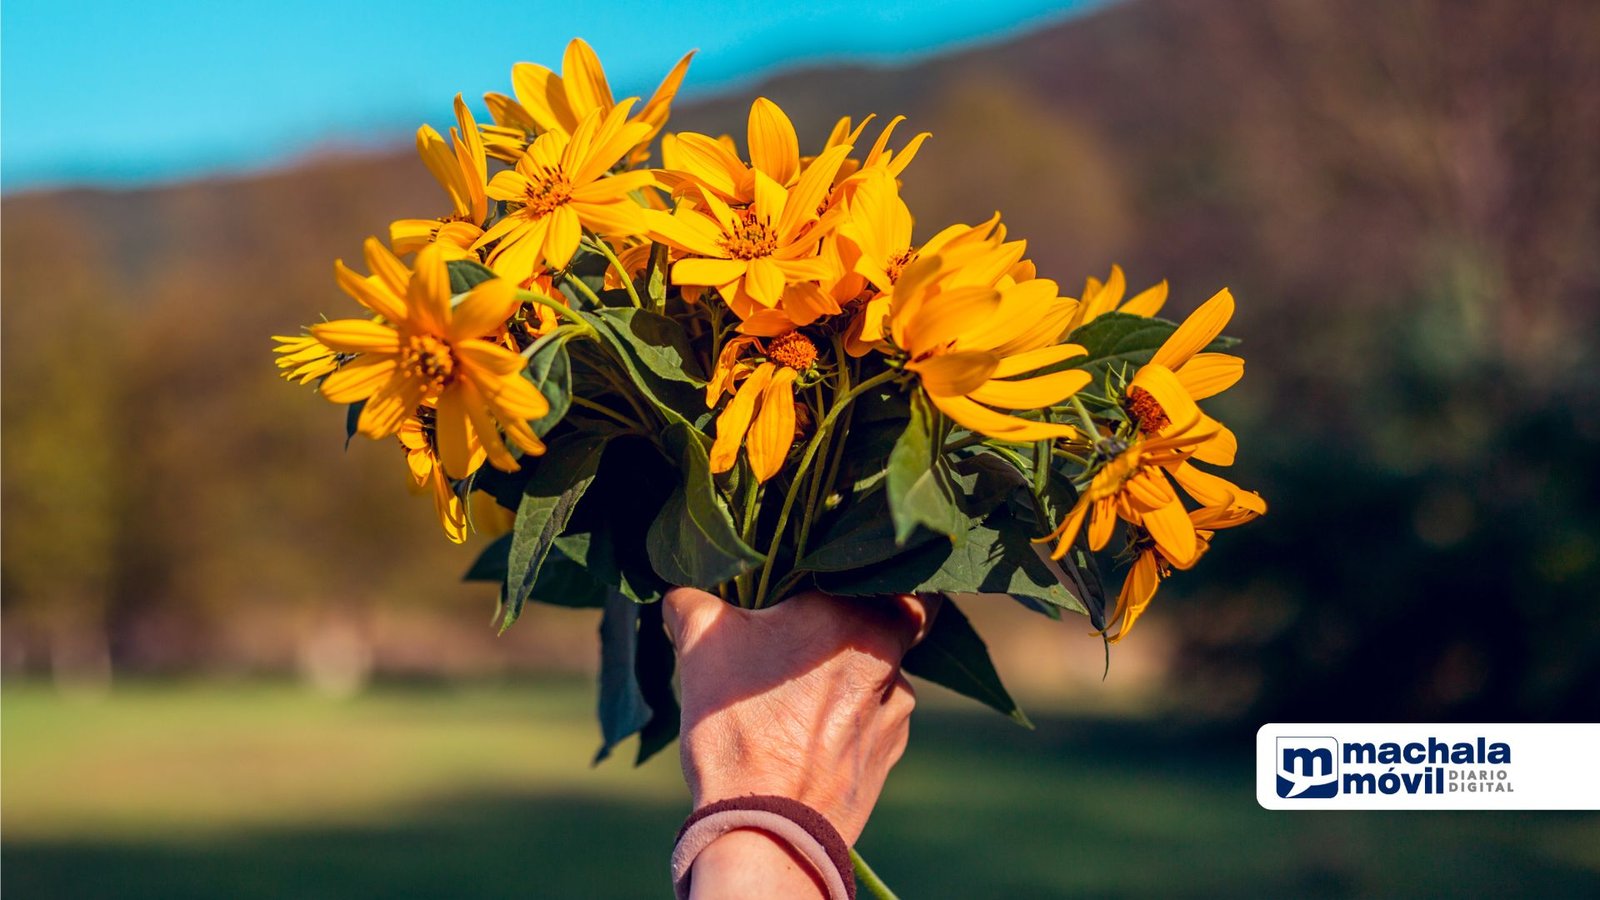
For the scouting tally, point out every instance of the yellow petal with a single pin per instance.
(998, 425)
(948, 316)
(369, 294)
(452, 433)
(448, 506)
(388, 408)
(1067, 532)
(1031, 393)
(428, 294)
(774, 148)
(1221, 448)
(707, 272)
(357, 336)
(1197, 331)
(955, 374)
(1032, 360)
(358, 379)
(764, 281)
(540, 93)
(484, 310)
(583, 79)
(1171, 529)
(1138, 589)
(385, 266)
(1147, 302)
(561, 242)
(735, 420)
(772, 434)
(1160, 383)
(1208, 374)
(1213, 491)
(655, 112)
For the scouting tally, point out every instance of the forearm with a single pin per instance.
(748, 863)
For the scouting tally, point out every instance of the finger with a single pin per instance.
(911, 616)
(922, 610)
(687, 611)
(900, 698)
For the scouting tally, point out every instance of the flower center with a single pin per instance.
(899, 262)
(792, 349)
(545, 195)
(1142, 406)
(429, 358)
(751, 238)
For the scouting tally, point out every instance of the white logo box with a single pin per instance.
(1331, 765)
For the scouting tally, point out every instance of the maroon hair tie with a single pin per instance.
(796, 824)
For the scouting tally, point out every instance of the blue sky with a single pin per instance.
(124, 93)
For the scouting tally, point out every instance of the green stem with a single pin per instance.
(1090, 430)
(607, 411)
(611, 257)
(868, 880)
(561, 309)
(805, 465)
(747, 531)
(584, 289)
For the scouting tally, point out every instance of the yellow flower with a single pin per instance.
(761, 415)
(547, 103)
(461, 169)
(1204, 374)
(713, 166)
(302, 358)
(560, 187)
(879, 160)
(422, 461)
(968, 344)
(1099, 299)
(1136, 484)
(427, 352)
(1152, 565)
(762, 259)
(874, 247)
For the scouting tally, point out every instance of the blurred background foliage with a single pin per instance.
(1404, 196)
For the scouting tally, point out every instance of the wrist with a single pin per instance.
(748, 862)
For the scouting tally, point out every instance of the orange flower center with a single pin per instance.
(545, 195)
(750, 239)
(430, 359)
(792, 349)
(899, 262)
(1142, 406)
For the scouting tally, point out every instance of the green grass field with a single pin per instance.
(247, 791)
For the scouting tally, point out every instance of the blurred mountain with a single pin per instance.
(1404, 196)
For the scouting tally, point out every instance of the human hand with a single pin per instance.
(803, 700)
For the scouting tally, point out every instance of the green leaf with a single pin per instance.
(352, 417)
(558, 483)
(997, 557)
(954, 656)
(658, 342)
(920, 492)
(693, 541)
(622, 709)
(1118, 340)
(550, 370)
(466, 274)
(653, 663)
(491, 563)
(864, 534)
(655, 351)
(655, 284)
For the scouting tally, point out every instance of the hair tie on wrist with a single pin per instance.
(796, 824)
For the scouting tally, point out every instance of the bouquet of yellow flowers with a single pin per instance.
(743, 373)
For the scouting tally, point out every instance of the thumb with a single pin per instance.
(688, 612)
